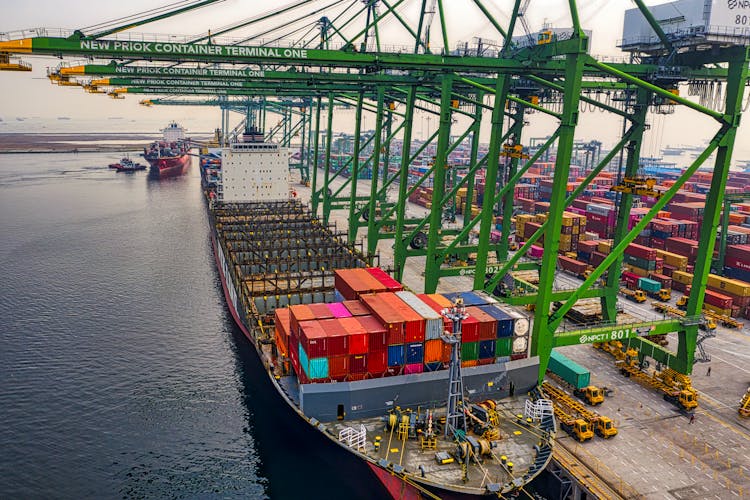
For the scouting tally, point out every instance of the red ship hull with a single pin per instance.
(169, 166)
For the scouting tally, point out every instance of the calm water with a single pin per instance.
(121, 372)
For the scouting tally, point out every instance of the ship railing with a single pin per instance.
(539, 409)
(354, 438)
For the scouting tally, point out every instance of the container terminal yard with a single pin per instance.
(623, 282)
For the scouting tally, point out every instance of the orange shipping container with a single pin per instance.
(281, 343)
(433, 351)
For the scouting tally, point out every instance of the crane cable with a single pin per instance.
(147, 13)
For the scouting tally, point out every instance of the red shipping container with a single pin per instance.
(377, 362)
(718, 299)
(469, 330)
(357, 335)
(313, 339)
(487, 361)
(298, 314)
(321, 311)
(487, 324)
(351, 283)
(356, 308)
(377, 335)
(514, 357)
(739, 252)
(337, 337)
(414, 325)
(737, 263)
(641, 251)
(358, 363)
(390, 284)
(390, 318)
(338, 367)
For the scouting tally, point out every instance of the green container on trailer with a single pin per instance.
(503, 347)
(569, 370)
(649, 285)
(470, 351)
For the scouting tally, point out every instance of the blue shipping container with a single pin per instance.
(396, 355)
(315, 368)
(486, 349)
(737, 274)
(414, 353)
(470, 298)
(504, 321)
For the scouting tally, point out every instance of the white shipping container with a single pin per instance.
(433, 320)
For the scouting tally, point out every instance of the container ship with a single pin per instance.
(170, 156)
(432, 406)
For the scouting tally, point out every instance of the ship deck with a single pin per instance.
(518, 444)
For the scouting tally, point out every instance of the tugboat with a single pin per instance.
(127, 165)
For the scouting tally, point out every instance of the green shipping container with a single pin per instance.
(649, 265)
(569, 370)
(470, 351)
(503, 347)
(649, 285)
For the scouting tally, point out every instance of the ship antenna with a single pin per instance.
(456, 419)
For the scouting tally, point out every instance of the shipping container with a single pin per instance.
(358, 363)
(321, 311)
(358, 337)
(503, 346)
(351, 283)
(414, 324)
(649, 285)
(385, 279)
(521, 324)
(377, 335)
(377, 362)
(504, 321)
(339, 310)
(736, 287)
(337, 338)
(297, 314)
(388, 316)
(569, 370)
(396, 355)
(487, 324)
(433, 351)
(414, 353)
(470, 350)
(718, 299)
(430, 302)
(487, 348)
(413, 368)
(313, 340)
(338, 367)
(356, 308)
(314, 368)
(433, 320)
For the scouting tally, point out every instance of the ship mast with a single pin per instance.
(456, 418)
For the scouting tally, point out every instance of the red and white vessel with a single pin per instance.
(169, 157)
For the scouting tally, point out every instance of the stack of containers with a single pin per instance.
(630, 279)
(639, 259)
(682, 246)
(736, 290)
(521, 331)
(487, 335)
(585, 249)
(672, 261)
(572, 226)
(298, 314)
(357, 348)
(377, 344)
(393, 322)
(665, 281)
(337, 344)
(436, 352)
(339, 310)
(600, 219)
(737, 262)
(281, 321)
(313, 352)
(682, 281)
(503, 333)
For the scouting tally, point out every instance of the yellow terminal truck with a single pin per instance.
(575, 419)
(675, 387)
(573, 376)
(634, 295)
(744, 409)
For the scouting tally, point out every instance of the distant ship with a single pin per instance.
(169, 157)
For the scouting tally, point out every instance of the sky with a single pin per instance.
(29, 102)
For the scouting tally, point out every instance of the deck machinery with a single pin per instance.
(554, 75)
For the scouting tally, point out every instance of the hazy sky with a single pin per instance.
(33, 97)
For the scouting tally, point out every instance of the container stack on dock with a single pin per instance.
(379, 330)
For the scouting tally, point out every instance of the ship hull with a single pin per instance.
(171, 166)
